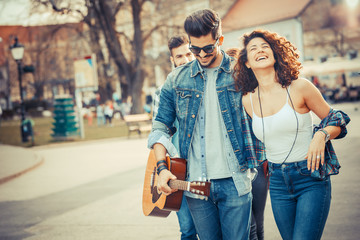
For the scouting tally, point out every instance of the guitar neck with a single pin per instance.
(179, 184)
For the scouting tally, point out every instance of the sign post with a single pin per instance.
(86, 80)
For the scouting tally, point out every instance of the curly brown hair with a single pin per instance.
(286, 65)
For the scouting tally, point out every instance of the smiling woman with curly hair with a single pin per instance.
(286, 66)
(279, 104)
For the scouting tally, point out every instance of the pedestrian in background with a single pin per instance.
(100, 116)
(301, 159)
(89, 116)
(108, 112)
(148, 104)
(0, 114)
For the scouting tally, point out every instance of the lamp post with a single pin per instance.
(17, 51)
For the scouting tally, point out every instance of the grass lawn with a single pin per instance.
(10, 132)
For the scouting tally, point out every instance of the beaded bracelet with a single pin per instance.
(160, 168)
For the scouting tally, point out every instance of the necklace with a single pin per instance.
(263, 128)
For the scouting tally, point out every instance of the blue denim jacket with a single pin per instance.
(181, 97)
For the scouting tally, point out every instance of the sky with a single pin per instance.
(17, 12)
(14, 12)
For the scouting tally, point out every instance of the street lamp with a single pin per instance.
(17, 51)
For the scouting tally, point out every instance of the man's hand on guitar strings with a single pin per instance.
(163, 179)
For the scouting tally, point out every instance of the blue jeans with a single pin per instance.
(259, 192)
(300, 202)
(187, 227)
(101, 121)
(224, 215)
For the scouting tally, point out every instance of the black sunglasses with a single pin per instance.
(207, 49)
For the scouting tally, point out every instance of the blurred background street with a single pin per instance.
(77, 80)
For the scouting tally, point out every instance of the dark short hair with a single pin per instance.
(177, 41)
(203, 22)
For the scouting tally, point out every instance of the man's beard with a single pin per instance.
(211, 62)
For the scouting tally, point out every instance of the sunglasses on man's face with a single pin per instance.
(207, 49)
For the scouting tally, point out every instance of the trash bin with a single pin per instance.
(65, 125)
(26, 130)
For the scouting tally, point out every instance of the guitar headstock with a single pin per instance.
(200, 188)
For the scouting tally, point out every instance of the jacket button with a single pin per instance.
(189, 135)
(197, 95)
(193, 116)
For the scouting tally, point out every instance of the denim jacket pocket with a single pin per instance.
(182, 102)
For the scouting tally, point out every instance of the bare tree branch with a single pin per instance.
(118, 7)
(122, 34)
(157, 27)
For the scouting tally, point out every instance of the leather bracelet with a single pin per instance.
(160, 168)
(161, 162)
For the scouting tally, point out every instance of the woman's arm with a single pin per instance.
(314, 101)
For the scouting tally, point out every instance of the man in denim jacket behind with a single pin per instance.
(201, 95)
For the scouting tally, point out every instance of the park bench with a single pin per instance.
(138, 123)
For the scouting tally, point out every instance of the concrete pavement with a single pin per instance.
(87, 190)
(15, 161)
(64, 173)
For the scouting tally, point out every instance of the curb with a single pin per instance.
(15, 175)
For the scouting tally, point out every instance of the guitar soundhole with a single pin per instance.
(155, 195)
(153, 178)
(154, 191)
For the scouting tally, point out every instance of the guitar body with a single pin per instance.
(154, 202)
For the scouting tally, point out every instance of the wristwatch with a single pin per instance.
(327, 135)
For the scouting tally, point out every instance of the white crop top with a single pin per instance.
(280, 132)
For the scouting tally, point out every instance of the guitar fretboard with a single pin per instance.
(178, 184)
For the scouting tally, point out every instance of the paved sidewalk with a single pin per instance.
(15, 161)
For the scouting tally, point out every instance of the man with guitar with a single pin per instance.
(179, 55)
(202, 96)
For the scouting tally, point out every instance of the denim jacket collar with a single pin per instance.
(225, 65)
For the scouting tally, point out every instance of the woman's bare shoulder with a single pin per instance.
(301, 83)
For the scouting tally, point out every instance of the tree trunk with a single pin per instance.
(136, 94)
(138, 80)
(103, 78)
(133, 71)
(107, 24)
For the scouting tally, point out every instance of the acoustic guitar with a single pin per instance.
(157, 204)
